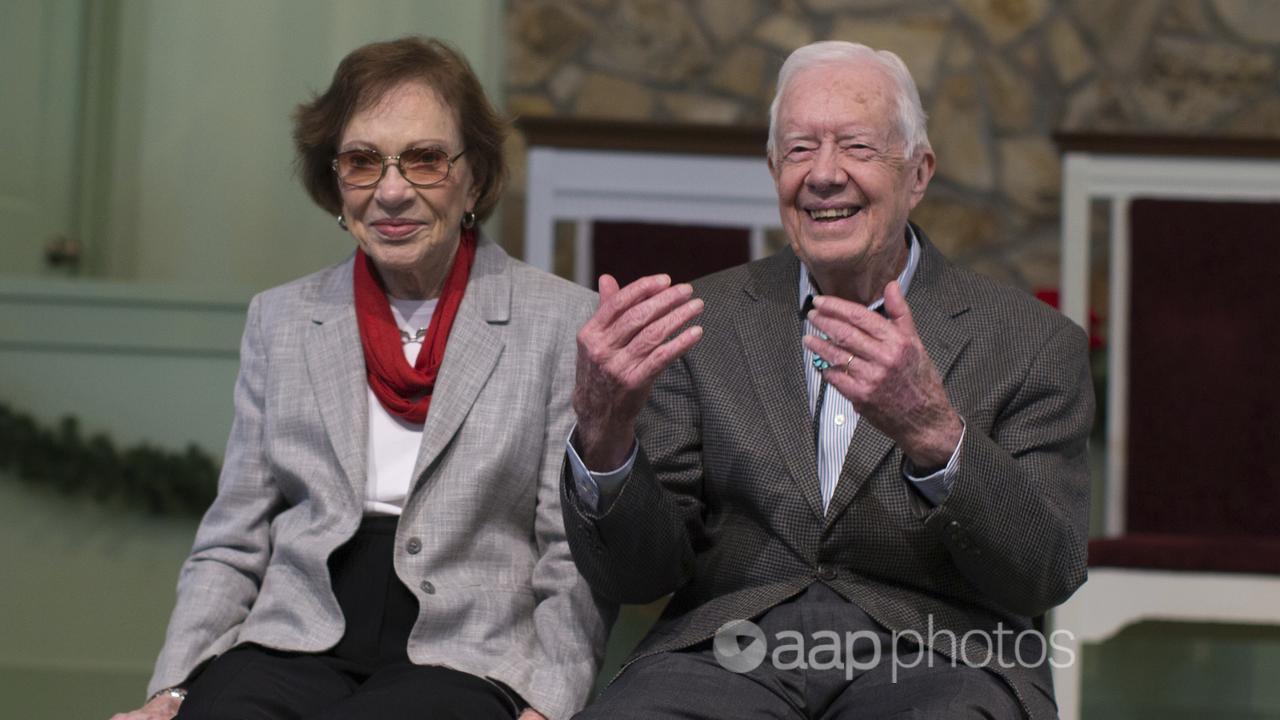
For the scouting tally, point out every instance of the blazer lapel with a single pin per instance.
(934, 311)
(774, 357)
(335, 363)
(471, 354)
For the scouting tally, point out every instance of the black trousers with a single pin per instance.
(858, 681)
(366, 675)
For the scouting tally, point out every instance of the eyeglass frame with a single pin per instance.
(399, 167)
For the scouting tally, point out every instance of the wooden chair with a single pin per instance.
(1192, 514)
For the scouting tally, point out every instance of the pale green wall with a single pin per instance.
(86, 587)
(200, 188)
(143, 362)
(86, 591)
(40, 73)
(1184, 671)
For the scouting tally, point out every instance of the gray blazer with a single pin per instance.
(723, 506)
(498, 591)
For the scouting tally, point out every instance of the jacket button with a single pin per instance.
(427, 587)
(826, 572)
(414, 546)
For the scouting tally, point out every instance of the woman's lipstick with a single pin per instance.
(396, 228)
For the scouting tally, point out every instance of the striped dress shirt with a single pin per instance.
(836, 419)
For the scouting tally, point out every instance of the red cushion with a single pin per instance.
(1187, 553)
(1203, 412)
(629, 251)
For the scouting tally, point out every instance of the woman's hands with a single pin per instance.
(161, 707)
(165, 707)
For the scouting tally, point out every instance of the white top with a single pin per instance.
(394, 441)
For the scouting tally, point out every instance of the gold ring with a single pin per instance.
(848, 362)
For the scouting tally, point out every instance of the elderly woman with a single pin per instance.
(387, 539)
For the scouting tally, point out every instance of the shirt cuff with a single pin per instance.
(937, 487)
(597, 490)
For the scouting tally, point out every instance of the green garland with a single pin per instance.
(154, 480)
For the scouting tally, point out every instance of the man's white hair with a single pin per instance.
(911, 117)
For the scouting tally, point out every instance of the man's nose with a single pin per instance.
(826, 171)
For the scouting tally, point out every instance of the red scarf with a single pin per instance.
(403, 390)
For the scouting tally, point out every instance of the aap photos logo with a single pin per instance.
(740, 646)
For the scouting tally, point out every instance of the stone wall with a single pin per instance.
(997, 77)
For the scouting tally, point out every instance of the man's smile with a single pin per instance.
(833, 213)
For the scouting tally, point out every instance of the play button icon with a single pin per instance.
(739, 646)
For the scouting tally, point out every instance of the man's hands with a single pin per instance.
(621, 351)
(881, 366)
(162, 707)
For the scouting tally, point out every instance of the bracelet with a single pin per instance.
(177, 693)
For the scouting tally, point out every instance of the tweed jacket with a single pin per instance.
(723, 506)
(498, 591)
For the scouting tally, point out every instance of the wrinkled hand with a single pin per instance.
(621, 351)
(881, 366)
(160, 708)
(531, 714)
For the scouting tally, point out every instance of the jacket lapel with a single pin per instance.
(934, 311)
(770, 336)
(335, 363)
(471, 354)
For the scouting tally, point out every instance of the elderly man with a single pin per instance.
(875, 456)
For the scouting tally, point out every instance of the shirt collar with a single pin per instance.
(904, 278)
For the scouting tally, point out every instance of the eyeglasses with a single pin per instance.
(420, 167)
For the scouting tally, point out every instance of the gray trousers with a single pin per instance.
(811, 671)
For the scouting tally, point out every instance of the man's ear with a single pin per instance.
(921, 173)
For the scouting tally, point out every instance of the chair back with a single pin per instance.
(1204, 389)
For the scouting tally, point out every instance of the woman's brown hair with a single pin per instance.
(363, 77)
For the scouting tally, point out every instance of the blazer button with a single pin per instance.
(414, 546)
(427, 587)
(826, 572)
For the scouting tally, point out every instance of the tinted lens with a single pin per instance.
(359, 167)
(424, 166)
